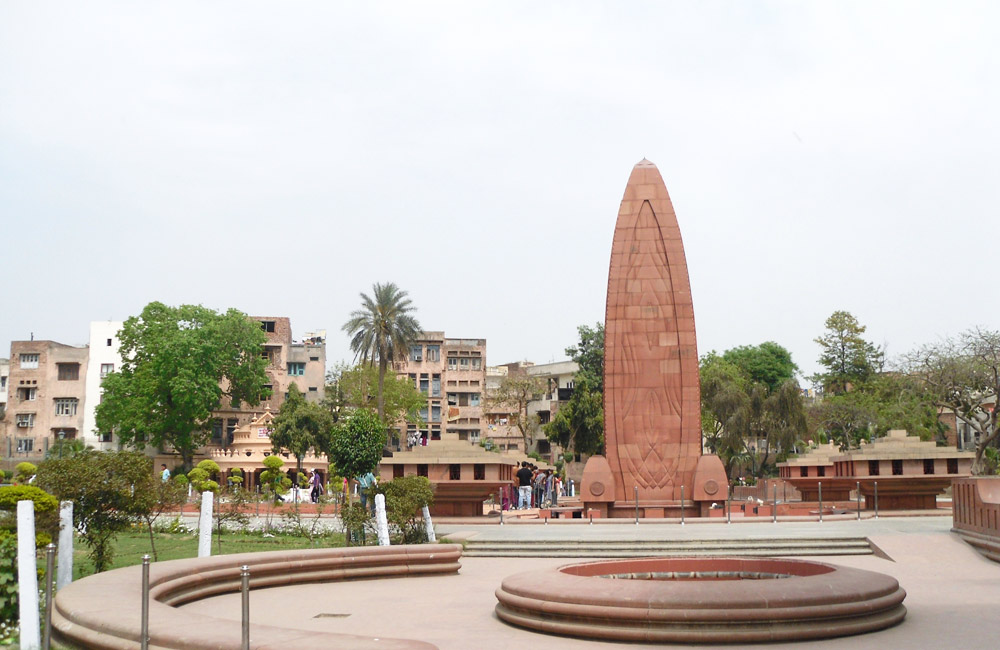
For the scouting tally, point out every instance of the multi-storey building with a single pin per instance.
(452, 374)
(104, 360)
(46, 397)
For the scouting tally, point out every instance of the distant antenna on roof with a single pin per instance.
(32, 336)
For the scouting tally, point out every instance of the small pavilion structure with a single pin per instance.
(910, 472)
(463, 474)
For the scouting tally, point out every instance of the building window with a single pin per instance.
(477, 364)
(473, 399)
(66, 405)
(416, 353)
(463, 364)
(435, 385)
(271, 353)
(452, 363)
(3, 383)
(421, 470)
(267, 325)
(296, 368)
(433, 352)
(265, 392)
(313, 389)
(27, 394)
(109, 343)
(873, 468)
(314, 358)
(25, 420)
(435, 413)
(928, 466)
(104, 437)
(25, 445)
(397, 471)
(897, 468)
(821, 471)
(803, 471)
(29, 361)
(68, 371)
(424, 384)
(217, 431)
(455, 472)
(953, 466)
(107, 369)
(423, 414)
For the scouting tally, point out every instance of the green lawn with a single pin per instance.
(131, 546)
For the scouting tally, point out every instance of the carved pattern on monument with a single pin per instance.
(651, 371)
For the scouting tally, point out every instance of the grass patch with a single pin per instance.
(131, 546)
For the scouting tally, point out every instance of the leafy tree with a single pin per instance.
(178, 364)
(745, 421)
(356, 444)
(101, 486)
(356, 387)
(848, 358)
(768, 363)
(579, 423)
(153, 497)
(273, 479)
(405, 498)
(24, 471)
(301, 426)
(512, 396)
(64, 448)
(382, 331)
(962, 374)
(201, 477)
(848, 419)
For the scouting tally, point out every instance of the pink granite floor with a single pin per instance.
(952, 596)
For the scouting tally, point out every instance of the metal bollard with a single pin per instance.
(774, 505)
(245, 589)
(820, 484)
(729, 507)
(682, 505)
(635, 490)
(144, 627)
(858, 488)
(876, 499)
(50, 562)
(500, 492)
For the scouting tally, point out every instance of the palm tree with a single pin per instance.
(382, 330)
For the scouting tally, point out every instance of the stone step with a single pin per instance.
(758, 548)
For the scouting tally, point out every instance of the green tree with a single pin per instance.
(405, 498)
(356, 387)
(579, 423)
(589, 355)
(382, 331)
(301, 426)
(512, 396)
(962, 374)
(178, 364)
(356, 444)
(849, 359)
(273, 479)
(101, 486)
(768, 363)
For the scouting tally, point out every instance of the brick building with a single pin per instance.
(46, 397)
(452, 374)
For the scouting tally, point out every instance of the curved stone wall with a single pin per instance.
(104, 610)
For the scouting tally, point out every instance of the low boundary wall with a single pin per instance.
(976, 513)
(104, 610)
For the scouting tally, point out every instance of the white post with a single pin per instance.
(381, 523)
(64, 575)
(27, 576)
(431, 537)
(205, 525)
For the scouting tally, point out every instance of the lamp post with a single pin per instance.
(62, 437)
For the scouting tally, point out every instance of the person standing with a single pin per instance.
(523, 476)
(367, 484)
(316, 487)
(165, 474)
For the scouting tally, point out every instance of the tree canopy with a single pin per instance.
(768, 363)
(300, 426)
(849, 359)
(512, 396)
(579, 423)
(356, 387)
(382, 331)
(962, 374)
(177, 365)
(356, 444)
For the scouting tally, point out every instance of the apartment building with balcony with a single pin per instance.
(46, 397)
(451, 372)
(104, 359)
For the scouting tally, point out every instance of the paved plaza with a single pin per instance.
(952, 591)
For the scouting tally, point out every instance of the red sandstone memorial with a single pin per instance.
(651, 387)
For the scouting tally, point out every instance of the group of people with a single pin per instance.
(536, 487)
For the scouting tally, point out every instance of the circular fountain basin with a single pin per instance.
(702, 600)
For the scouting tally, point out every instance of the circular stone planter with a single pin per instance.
(702, 600)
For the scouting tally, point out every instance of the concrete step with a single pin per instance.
(670, 548)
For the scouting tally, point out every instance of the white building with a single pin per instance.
(104, 359)
(4, 378)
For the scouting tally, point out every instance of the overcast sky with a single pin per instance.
(280, 158)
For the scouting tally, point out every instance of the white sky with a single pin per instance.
(280, 158)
